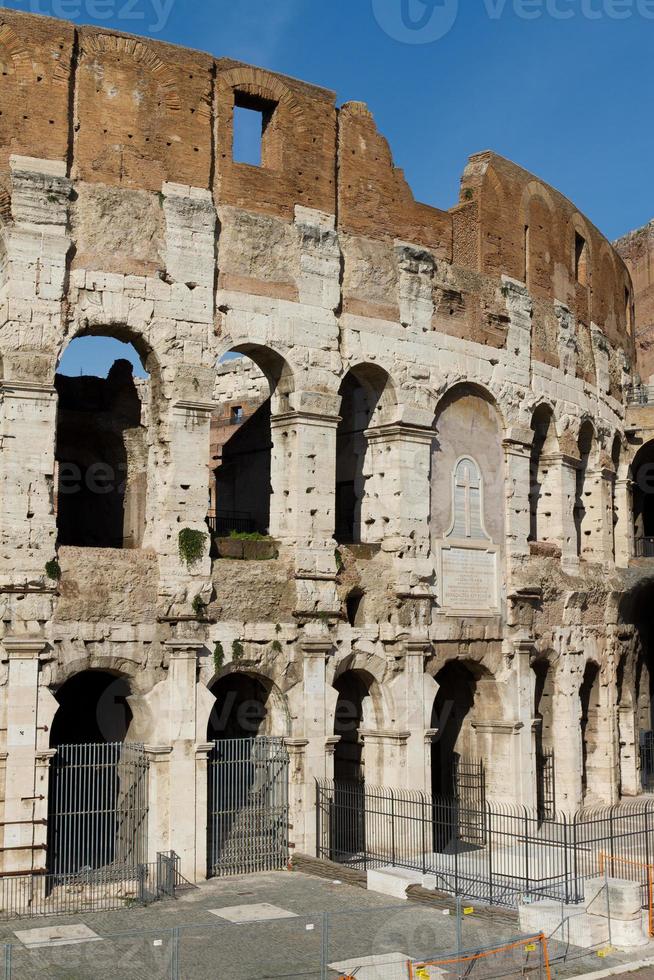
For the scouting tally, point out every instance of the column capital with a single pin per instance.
(400, 432)
(498, 727)
(331, 742)
(563, 459)
(384, 735)
(317, 647)
(417, 648)
(519, 438)
(23, 647)
(33, 390)
(203, 748)
(183, 649)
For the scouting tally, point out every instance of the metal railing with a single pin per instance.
(223, 522)
(646, 747)
(644, 547)
(639, 394)
(90, 890)
(495, 853)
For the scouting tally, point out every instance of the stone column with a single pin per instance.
(517, 455)
(499, 744)
(303, 477)
(28, 522)
(623, 524)
(26, 802)
(409, 698)
(607, 496)
(202, 753)
(564, 492)
(159, 825)
(317, 726)
(567, 750)
(399, 492)
(628, 748)
(525, 749)
(184, 814)
(299, 805)
(184, 501)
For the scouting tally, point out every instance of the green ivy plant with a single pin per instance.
(338, 557)
(53, 569)
(198, 605)
(218, 656)
(276, 646)
(191, 546)
(237, 650)
(248, 536)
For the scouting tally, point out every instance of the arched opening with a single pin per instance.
(93, 708)
(98, 789)
(453, 741)
(542, 505)
(616, 462)
(544, 738)
(102, 444)
(352, 704)
(587, 509)
(589, 696)
(642, 470)
(247, 778)
(248, 451)
(364, 391)
(242, 708)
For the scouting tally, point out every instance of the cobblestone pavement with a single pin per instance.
(185, 939)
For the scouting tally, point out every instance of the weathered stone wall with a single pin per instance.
(122, 213)
(637, 251)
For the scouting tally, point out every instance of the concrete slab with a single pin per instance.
(256, 912)
(392, 881)
(57, 936)
(384, 966)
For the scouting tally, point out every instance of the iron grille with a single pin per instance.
(647, 761)
(248, 806)
(98, 808)
(545, 783)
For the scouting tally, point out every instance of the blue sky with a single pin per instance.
(560, 86)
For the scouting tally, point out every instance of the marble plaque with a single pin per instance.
(469, 579)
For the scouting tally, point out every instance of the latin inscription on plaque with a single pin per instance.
(469, 579)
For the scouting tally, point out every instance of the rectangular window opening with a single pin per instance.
(254, 138)
(237, 414)
(526, 279)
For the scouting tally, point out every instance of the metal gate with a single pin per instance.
(647, 761)
(248, 806)
(97, 808)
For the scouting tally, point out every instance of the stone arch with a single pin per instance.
(93, 707)
(107, 46)
(16, 53)
(358, 714)
(247, 703)
(590, 705)
(642, 475)
(252, 441)
(537, 209)
(367, 394)
(104, 442)
(466, 696)
(468, 422)
(542, 489)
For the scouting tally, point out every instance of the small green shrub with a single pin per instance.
(468, 194)
(249, 536)
(53, 569)
(276, 646)
(198, 605)
(237, 650)
(218, 656)
(338, 557)
(191, 546)
(278, 628)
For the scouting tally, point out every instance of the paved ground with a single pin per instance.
(186, 939)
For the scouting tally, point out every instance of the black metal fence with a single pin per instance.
(222, 523)
(644, 547)
(90, 890)
(496, 853)
(646, 748)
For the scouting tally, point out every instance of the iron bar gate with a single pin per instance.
(248, 806)
(647, 761)
(97, 808)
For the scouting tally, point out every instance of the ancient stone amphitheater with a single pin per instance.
(406, 535)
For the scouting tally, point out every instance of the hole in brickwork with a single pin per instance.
(255, 138)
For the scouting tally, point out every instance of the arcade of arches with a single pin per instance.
(369, 482)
